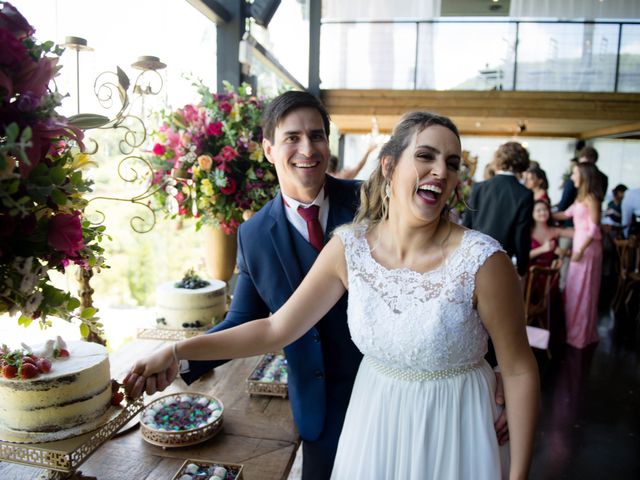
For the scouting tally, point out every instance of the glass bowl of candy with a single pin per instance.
(181, 419)
(206, 470)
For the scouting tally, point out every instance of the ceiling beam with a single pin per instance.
(556, 114)
(616, 130)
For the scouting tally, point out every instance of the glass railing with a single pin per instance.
(481, 55)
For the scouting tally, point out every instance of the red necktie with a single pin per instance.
(316, 236)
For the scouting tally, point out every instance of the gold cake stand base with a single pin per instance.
(61, 458)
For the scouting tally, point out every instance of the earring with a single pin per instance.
(387, 190)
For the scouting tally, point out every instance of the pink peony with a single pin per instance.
(214, 129)
(159, 149)
(65, 233)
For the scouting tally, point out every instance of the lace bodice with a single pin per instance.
(411, 320)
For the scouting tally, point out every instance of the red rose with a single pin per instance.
(230, 188)
(158, 149)
(229, 153)
(226, 107)
(214, 129)
(65, 233)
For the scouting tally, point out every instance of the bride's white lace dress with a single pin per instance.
(423, 404)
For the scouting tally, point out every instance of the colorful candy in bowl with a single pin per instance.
(181, 419)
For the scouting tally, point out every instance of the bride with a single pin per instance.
(424, 295)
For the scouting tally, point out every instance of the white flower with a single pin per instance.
(23, 265)
(29, 281)
(32, 304)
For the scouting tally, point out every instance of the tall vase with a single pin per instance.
(219, 253)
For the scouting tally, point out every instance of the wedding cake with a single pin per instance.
(53, 387)
(191, 303)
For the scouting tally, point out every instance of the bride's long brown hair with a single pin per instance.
(374, 199)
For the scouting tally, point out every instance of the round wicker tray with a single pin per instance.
(181, 438)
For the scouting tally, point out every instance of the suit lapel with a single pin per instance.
(283, 245)
(339, 212)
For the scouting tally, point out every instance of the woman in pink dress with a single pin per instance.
(583, 278)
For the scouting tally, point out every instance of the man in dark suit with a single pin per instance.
(501, 207)
(276, 249)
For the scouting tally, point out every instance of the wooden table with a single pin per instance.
(258, 432)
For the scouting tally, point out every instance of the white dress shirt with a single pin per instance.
(300, 224)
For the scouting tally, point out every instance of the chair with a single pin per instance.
(537, 304)
(627, 266)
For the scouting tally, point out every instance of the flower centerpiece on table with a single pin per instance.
(208, 161)
(42, 185)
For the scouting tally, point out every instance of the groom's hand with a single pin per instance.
(502, 429)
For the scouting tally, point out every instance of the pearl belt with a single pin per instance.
(419, 375)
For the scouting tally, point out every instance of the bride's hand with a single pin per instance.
(143, 370)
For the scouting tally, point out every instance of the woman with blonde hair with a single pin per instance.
(583, 277)
(425, 295)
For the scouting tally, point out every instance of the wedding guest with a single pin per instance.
(544, 236)
(614, 207)
(536, 180)
(424, 295)
(590, 155)
(631, 212)
(501, 207)
(583, 277)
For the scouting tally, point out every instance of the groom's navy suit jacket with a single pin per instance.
(273, 258)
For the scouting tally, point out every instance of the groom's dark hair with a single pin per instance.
(283, 104)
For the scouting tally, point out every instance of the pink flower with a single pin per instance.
(205, 162)
(214, 129)
(34, 76)
(229, 153)
(65, 233)
(12, 20)
(159, 149)
(13, 52)
(190, 113)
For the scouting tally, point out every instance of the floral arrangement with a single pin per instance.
(465, 176)
(208, 161)
(41, 183)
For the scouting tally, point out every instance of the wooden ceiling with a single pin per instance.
(493, 113)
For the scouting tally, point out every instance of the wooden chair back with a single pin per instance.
(540, 282)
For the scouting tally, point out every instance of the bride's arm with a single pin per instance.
(500, 305)
(319, 291)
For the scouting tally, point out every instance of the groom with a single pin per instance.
(276, 249)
